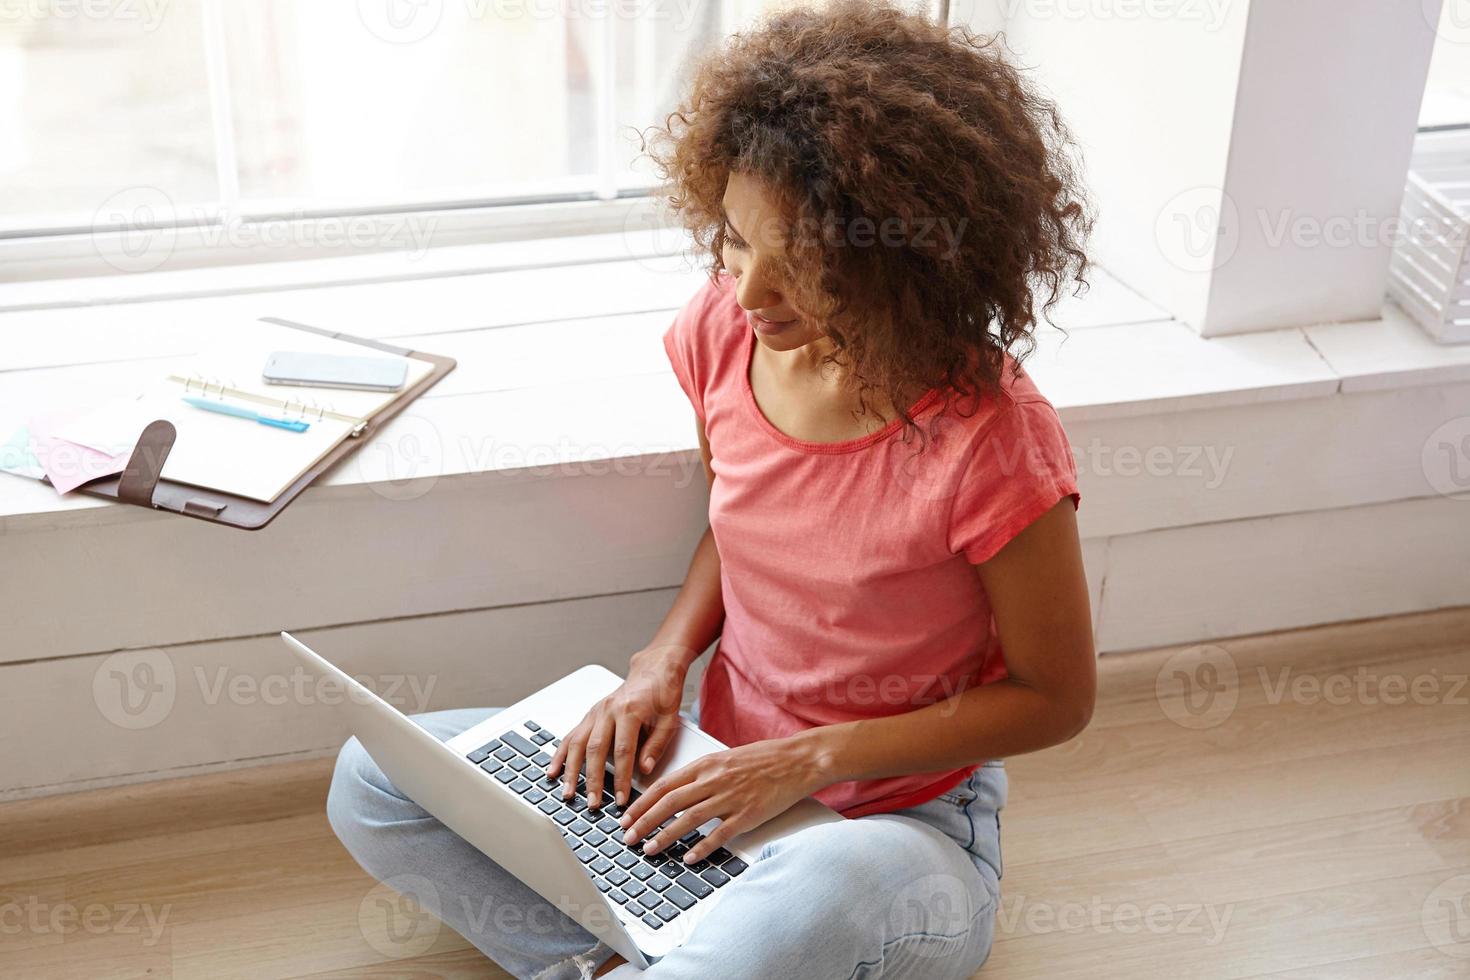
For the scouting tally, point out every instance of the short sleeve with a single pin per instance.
(1020, 466)
(679, 344)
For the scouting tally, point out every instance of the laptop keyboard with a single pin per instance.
(657, 888)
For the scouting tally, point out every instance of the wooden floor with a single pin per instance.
(1307, 817)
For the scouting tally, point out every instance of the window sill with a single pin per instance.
(562, 373)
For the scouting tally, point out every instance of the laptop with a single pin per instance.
(488, 785)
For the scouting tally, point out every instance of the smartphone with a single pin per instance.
(287, 367)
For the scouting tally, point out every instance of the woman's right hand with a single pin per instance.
(646, 705)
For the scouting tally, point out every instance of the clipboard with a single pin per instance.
(140, 482)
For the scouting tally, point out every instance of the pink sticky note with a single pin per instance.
(68, 465)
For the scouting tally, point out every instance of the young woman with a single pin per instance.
(892, 567)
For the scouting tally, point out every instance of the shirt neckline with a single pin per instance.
(807, 446)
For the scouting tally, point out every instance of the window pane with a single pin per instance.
(102, 106)
(655, 50)
(1447, 92)
(347, 103)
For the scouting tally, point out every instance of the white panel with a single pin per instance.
(1150, 368)
(571, 522)
(1388, 353)
(1194, 584)
(1094, 564)
(99, 717)
(1314, 190)
(1184, 468)
(1149, 91)
(362, 556)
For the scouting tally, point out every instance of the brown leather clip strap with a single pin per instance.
(146, 464)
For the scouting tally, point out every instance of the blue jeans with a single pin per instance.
(908, 894)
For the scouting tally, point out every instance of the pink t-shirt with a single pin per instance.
(846, 567)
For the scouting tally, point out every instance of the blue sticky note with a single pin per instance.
(16, 456)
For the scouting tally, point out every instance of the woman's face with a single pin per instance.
(755, 237)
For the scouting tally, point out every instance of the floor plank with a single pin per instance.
(1294, 836)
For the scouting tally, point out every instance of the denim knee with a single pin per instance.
(353, 797)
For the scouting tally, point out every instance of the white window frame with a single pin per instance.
(230, 232)
(233, 233)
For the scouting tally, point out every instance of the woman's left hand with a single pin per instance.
(743, 787)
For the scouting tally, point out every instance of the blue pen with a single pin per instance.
(247, 413)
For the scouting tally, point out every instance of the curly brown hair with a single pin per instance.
(859, 113)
